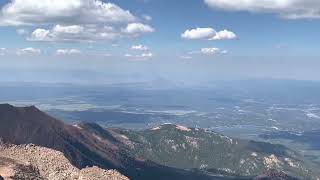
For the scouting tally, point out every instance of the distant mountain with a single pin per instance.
(192, 148)
(162, 153)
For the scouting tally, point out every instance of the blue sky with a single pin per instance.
(93, 36)
(258, 34)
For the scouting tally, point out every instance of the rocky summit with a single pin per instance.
(30, 162)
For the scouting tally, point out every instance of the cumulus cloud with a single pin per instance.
(40, 35)
(199, 33)
(68, 51)
(290, 9)
(28, 51)
(137, 28)
(225, 34)
(208, 34)
(74, 33)
(31, 12)
(72, 20)
(140, 47)
(85, 33)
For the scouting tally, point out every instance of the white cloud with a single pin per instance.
(68, 51)
(208, 34)
(290, 9)
(72, 20)
(74, 29)
(75, 33)
(140, 47)
(137, 28)
(28, 51)
(31, 12)
(87, 33)
(40, 35)
(225, 34)
(199, 33)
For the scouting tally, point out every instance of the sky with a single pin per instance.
(193, 41)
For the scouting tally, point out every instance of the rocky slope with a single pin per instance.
(31, 162)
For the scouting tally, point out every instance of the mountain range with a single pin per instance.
(161, 153)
